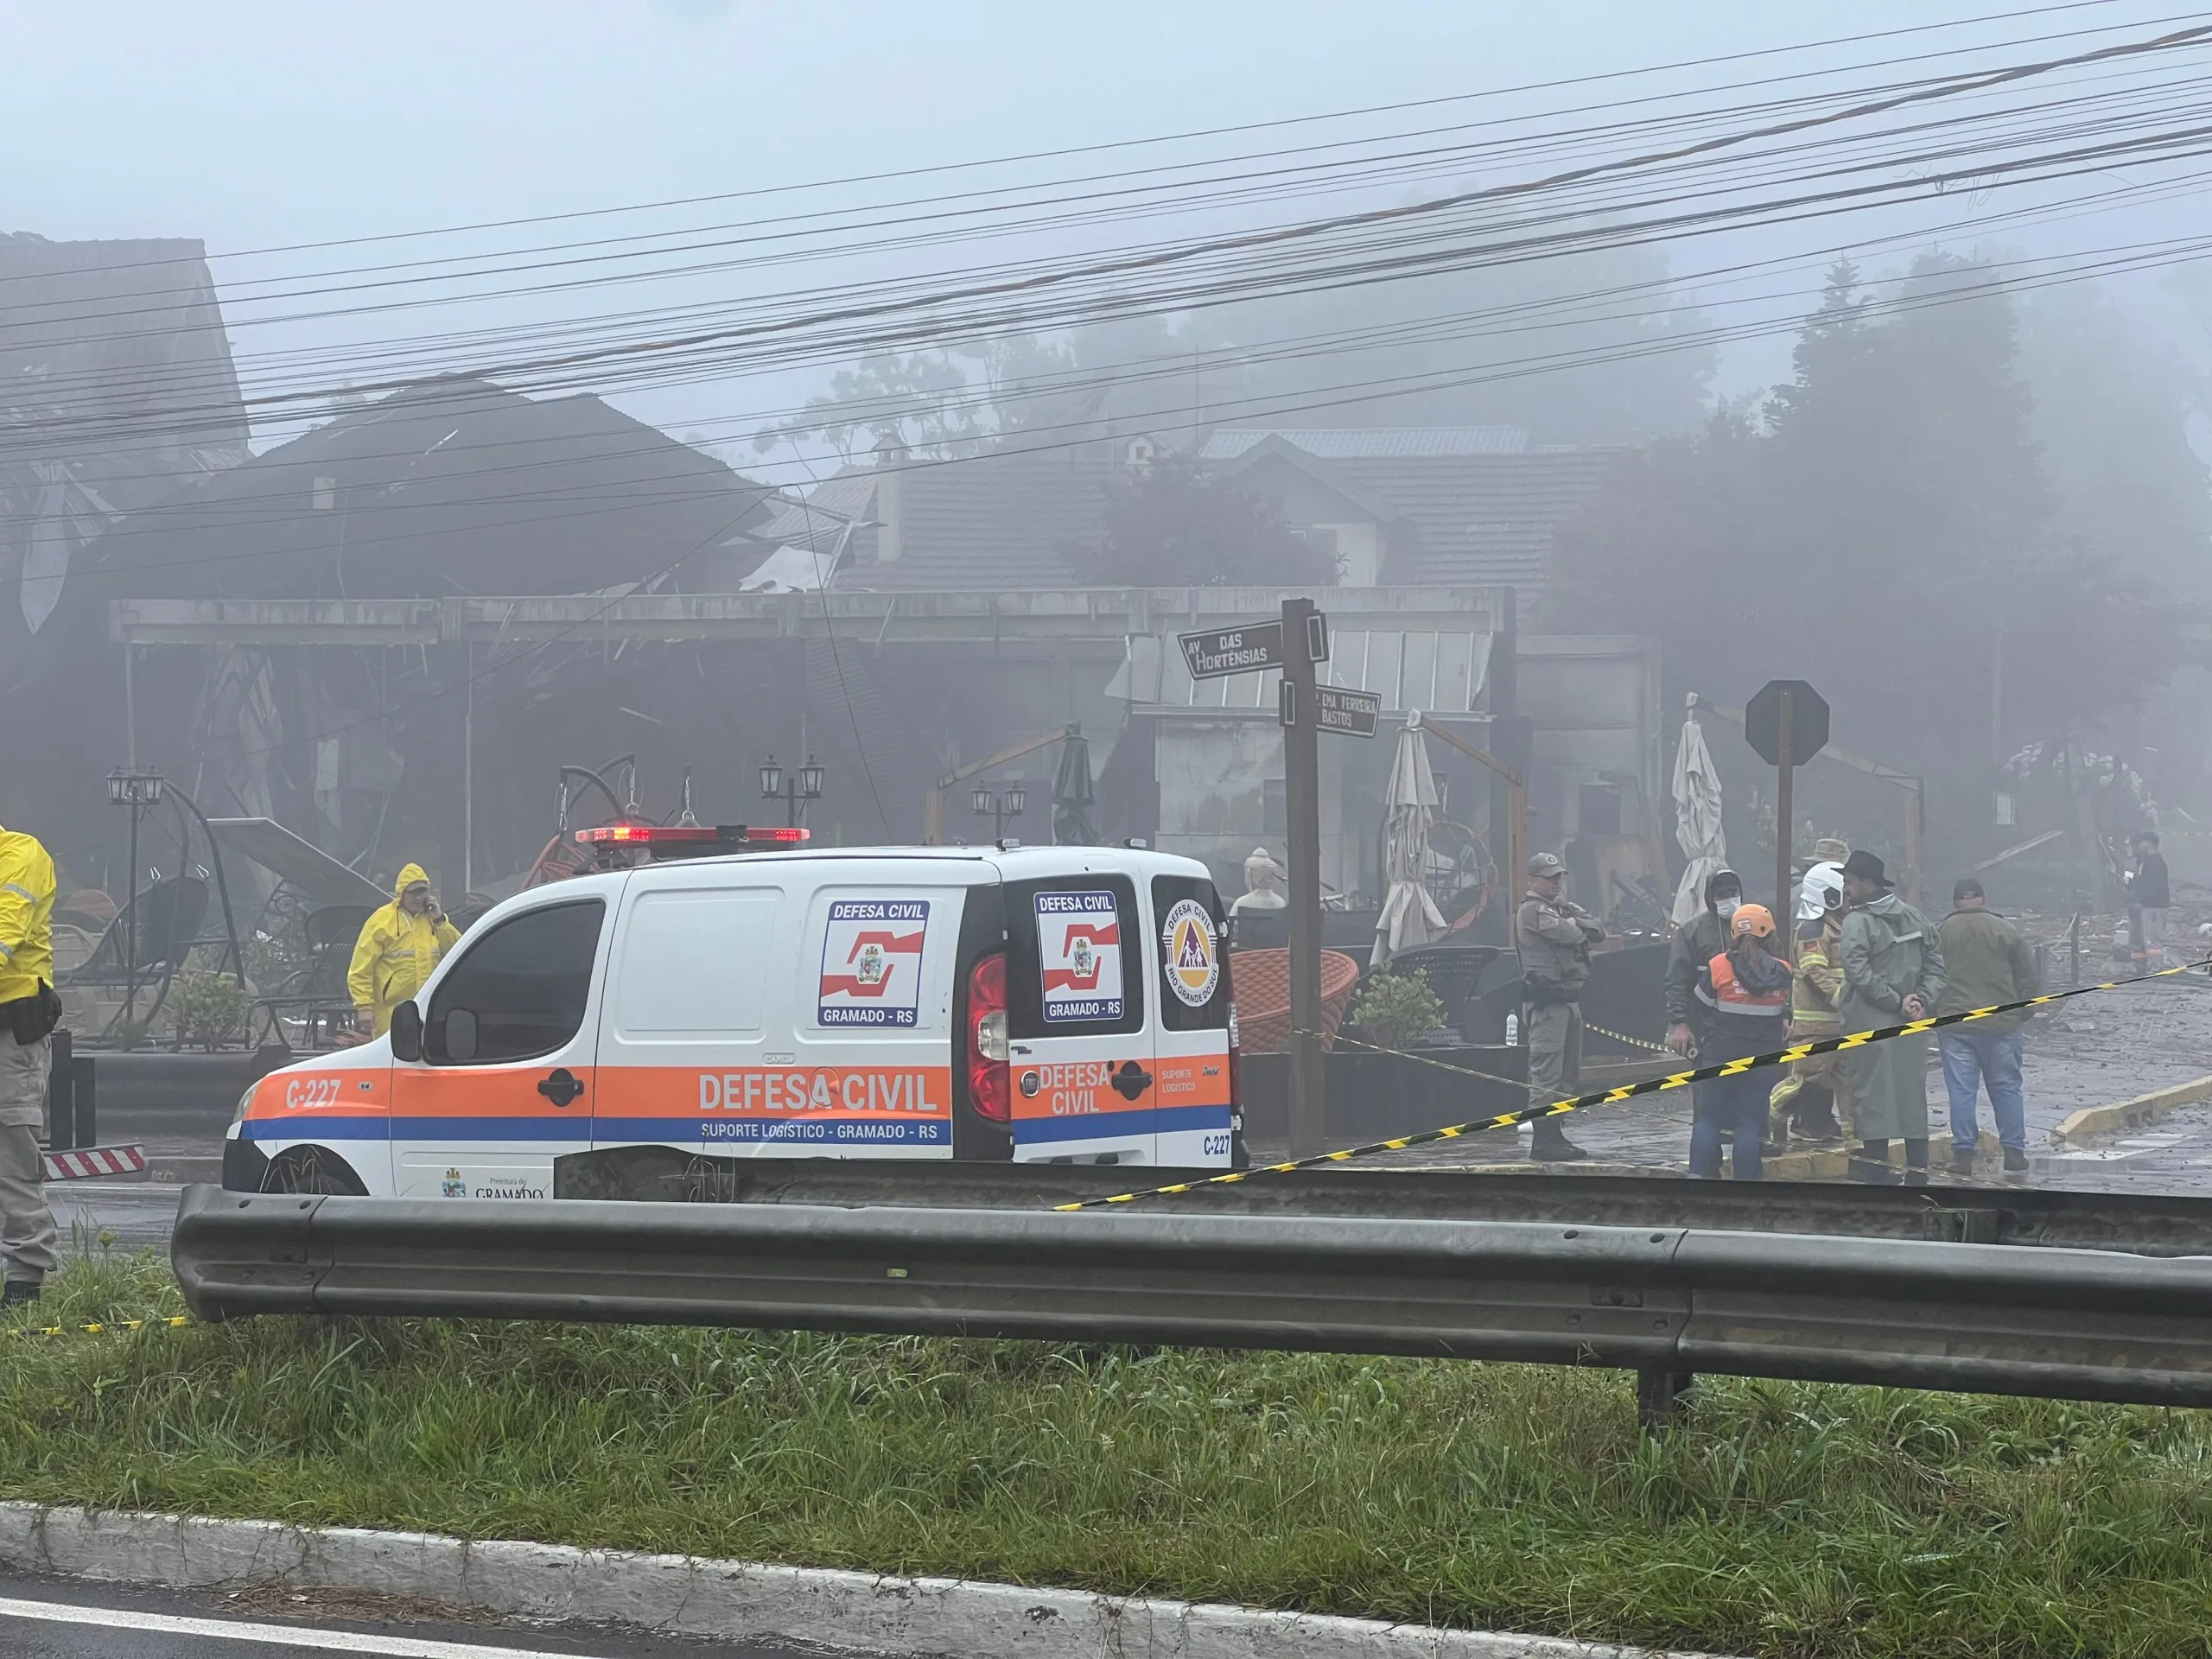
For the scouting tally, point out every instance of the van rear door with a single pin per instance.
(1080, 1056)
(1194, 1115)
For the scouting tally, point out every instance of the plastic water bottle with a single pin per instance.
(1512, 1029)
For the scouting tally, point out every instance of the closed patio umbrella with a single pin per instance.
(1697, 818)
(1410, 917)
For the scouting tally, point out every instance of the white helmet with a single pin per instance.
(1823, 887)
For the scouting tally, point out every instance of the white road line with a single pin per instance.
(284, 1636)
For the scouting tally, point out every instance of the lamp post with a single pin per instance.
(138, 791)
(998, 807)
(794, 789)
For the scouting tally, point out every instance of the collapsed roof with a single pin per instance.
(451, 486)
(115, 387)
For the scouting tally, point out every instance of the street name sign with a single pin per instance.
(1216, 653)
(1348, 713)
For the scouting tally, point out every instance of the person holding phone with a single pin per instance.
(400, 943)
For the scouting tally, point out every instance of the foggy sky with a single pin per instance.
(253, 125)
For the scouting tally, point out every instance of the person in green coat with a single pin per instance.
(1892, 972)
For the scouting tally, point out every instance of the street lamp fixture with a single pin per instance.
(999, 807)
(138, 790)
(794, 789)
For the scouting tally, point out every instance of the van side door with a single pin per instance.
(1195, 1111)
(1080, 1056)
(509, 1044)
(697, 994)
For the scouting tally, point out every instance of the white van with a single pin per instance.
(1059, 1004)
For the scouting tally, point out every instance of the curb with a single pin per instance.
(734, 1600)
(2092, 1121)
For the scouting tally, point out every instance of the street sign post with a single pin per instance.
(1787, 723)
(1216, 653)
(1301, 768)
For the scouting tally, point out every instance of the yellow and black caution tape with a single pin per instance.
(1626, 1092)
(1623, 1036)
(163, 1322)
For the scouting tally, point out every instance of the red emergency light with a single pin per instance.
(689, 837)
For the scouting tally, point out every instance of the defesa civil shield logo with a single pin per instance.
(1193, 959)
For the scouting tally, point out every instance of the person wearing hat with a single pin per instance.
(1747, 988)
(1553, 936)
(1893, 973)
(1986, 962)
(1808, 1103)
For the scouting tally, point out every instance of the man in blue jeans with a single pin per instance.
(1987, 962)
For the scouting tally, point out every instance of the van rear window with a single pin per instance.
(1074, 952)
(1190, 947)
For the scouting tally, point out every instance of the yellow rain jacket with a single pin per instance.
(26, 916)
(396, 953)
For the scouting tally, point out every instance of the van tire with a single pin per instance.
(311, 1170)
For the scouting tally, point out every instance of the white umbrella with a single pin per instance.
(1697, 818)
(1410, 917)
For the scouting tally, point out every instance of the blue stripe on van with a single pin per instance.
(305, 1127)
(1099, 1126)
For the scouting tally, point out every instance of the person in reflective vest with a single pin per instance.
(1745, 991)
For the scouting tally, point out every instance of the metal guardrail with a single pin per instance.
(1667, 1302)
(2147, 1224)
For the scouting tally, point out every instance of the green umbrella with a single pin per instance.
(1072, 799)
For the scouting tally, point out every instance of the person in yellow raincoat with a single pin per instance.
(400, 943)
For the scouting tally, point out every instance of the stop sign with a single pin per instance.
(1809, 721)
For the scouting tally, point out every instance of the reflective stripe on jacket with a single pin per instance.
(1730, 997)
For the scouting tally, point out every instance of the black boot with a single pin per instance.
(22, 1290)
(1962, 1163)
(1548, 1144)
(1813, 1117)
(1871, 1166)
(1915, 1162)
(2016, 1161)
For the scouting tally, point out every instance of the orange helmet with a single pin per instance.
(1752, 918)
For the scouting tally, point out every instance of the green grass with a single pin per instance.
(1784, 1520)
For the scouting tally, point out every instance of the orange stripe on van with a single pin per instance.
(322, 1091)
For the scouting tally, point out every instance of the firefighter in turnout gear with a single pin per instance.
(1553, 936)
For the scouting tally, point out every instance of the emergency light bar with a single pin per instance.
(689, 837)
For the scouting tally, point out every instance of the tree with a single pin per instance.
(1884, 528)
(1171, 525)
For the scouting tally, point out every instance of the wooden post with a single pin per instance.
(1301, 752)
(1785, 808)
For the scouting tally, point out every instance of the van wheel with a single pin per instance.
(314, 1170)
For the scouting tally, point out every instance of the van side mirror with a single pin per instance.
(407, 1032)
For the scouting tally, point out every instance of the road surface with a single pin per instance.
(60, 1619)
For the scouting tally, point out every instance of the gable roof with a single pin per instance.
(1343, 443)
(1484, 506)
(995, 520)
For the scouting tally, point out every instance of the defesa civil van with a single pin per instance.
(1058, 1004)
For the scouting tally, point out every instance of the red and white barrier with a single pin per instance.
(89, 1163)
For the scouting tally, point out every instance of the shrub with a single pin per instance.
(210, 1009)
(1394, 1010)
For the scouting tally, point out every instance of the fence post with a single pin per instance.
(61, 1093)
(87, 1114)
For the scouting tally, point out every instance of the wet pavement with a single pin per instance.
(2093, 1051)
